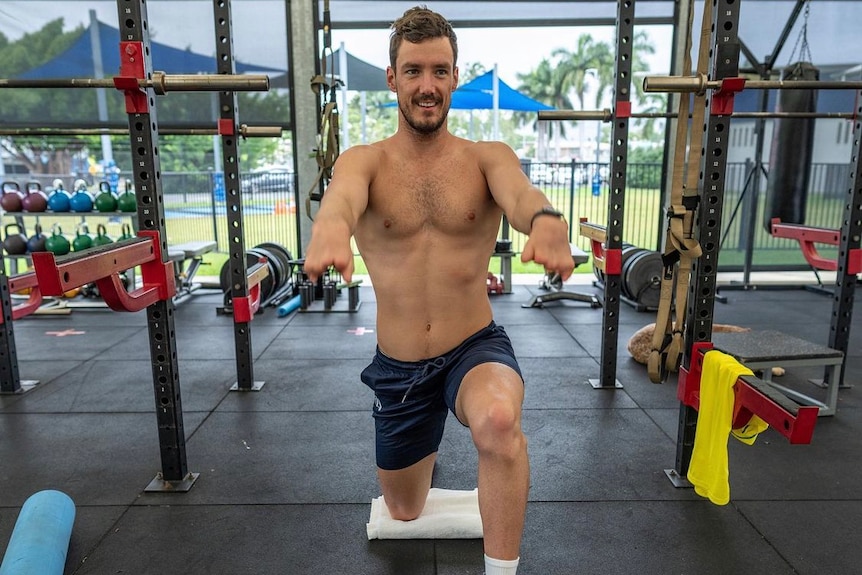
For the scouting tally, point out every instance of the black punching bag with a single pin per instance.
(792, 145)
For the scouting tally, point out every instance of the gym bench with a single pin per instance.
(191, 254)
(554, 283)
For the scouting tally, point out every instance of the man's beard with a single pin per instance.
(424, 127)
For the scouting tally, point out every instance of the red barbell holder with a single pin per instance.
(608, 260)
(752, 397)
(245, 307)
(807, 236)
(22, 282)
(102, 266)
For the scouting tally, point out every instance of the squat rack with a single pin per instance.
(140, 84)
(720, 86)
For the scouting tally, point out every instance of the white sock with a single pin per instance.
(500, 566)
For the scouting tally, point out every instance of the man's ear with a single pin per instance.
(390, 78)
(455, 78)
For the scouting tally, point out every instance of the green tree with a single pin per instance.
(77, 109)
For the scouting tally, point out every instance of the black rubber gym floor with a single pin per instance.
(287, 473)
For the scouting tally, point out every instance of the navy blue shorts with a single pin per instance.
(412, 398)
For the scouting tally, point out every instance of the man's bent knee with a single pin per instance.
(404, 511)
(496, 430)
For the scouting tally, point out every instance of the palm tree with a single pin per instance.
(540, 84)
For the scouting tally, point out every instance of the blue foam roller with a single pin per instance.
(291, 305)
(40, 540)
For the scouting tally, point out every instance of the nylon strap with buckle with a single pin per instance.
(327, 139)
(681, 248)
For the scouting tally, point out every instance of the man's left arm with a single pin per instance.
(528, 210)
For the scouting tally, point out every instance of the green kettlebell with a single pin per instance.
(126, 233)
(101, 238)
(57, 244)
(106, 201)
(127, 202)
(83, 240)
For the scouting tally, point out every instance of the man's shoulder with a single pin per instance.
(492, 151)
(362, 155)
(362, 150)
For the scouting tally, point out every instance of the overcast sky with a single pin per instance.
(259, 32)
(259, 36)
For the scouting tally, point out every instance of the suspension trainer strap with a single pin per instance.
(327, 138)
(681, 248)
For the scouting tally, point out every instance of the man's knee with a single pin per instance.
(496, 429)
(404, 510)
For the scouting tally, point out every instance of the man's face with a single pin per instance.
(424, 79)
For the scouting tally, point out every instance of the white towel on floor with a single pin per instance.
(448, 514)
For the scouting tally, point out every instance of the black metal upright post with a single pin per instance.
(723, 63)
(10, 380)
(616, 202)
(229, 131)
(851, 235)
(135, 63)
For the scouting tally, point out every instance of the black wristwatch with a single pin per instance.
(546, 211)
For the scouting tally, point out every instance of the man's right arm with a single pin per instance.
(345, 200)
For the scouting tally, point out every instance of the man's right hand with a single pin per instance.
(328, 248)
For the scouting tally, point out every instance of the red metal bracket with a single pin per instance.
(807, 236)
(102, 266)
(131, 71)
(607, 260)
(20, 283)
(722, 99)
(752, 397)
(245, 307)
(623, 109)
(226, 127)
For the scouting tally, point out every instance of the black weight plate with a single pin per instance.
(642, 280)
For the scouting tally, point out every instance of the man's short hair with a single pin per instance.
(417, 24)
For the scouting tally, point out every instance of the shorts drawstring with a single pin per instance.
(436, 363)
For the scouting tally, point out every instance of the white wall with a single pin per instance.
(832, 141)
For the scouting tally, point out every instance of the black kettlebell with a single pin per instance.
(15, 244)
(36, 243)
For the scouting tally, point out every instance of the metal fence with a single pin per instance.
(580, 190)
(195, 207)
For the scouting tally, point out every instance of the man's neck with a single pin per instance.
(424, 142)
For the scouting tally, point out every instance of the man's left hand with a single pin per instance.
(548, 245)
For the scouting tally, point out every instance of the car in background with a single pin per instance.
(541, 173)
(267, 180)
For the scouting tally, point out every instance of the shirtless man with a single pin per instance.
(425, 207)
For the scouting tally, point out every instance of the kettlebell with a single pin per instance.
(36, 243)
(127, 202)
(126, 233)
(57, 244)
(11, 199)
(101, 238)
(58, 201)
(81, 200)
(34, 199)
(106, 201)
(15, 244)
(83, 240)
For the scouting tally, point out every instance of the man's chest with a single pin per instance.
(452, 198)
